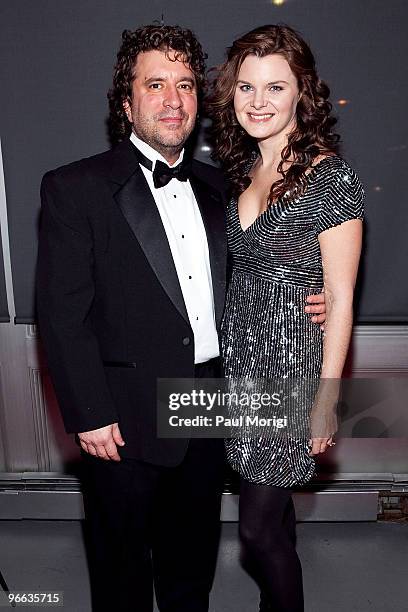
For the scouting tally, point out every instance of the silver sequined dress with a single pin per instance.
(276, 262)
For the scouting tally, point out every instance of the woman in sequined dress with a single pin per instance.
(294, 228)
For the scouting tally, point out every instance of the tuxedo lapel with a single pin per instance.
(213, 215)
(137, 204)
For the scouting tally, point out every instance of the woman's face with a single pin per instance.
(266, 95)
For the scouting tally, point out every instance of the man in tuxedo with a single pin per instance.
(130, 288)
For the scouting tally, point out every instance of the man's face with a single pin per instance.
(164, 102)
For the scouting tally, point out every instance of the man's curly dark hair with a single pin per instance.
(149, 38)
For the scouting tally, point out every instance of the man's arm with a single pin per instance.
(65, 292)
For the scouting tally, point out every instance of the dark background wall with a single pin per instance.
(56, 67)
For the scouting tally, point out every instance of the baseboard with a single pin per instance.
(339, 497)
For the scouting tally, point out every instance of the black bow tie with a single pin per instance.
(163, 173)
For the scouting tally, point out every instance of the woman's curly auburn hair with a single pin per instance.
(313, 134)
(149, 38)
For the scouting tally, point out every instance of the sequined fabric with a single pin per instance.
(266, 334)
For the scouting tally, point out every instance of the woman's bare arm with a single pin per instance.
(340, 249)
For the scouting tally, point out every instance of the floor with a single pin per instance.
(347, 567)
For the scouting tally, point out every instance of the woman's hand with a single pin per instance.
(320, 445)
(323, 416)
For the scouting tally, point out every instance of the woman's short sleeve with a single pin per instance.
(343, 200)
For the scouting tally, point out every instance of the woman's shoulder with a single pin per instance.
(334, 167)
(341, 194)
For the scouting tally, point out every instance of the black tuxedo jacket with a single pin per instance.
(108, 295)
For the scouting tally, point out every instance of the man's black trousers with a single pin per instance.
(147, 523)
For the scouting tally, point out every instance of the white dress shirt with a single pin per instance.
(187, 239)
